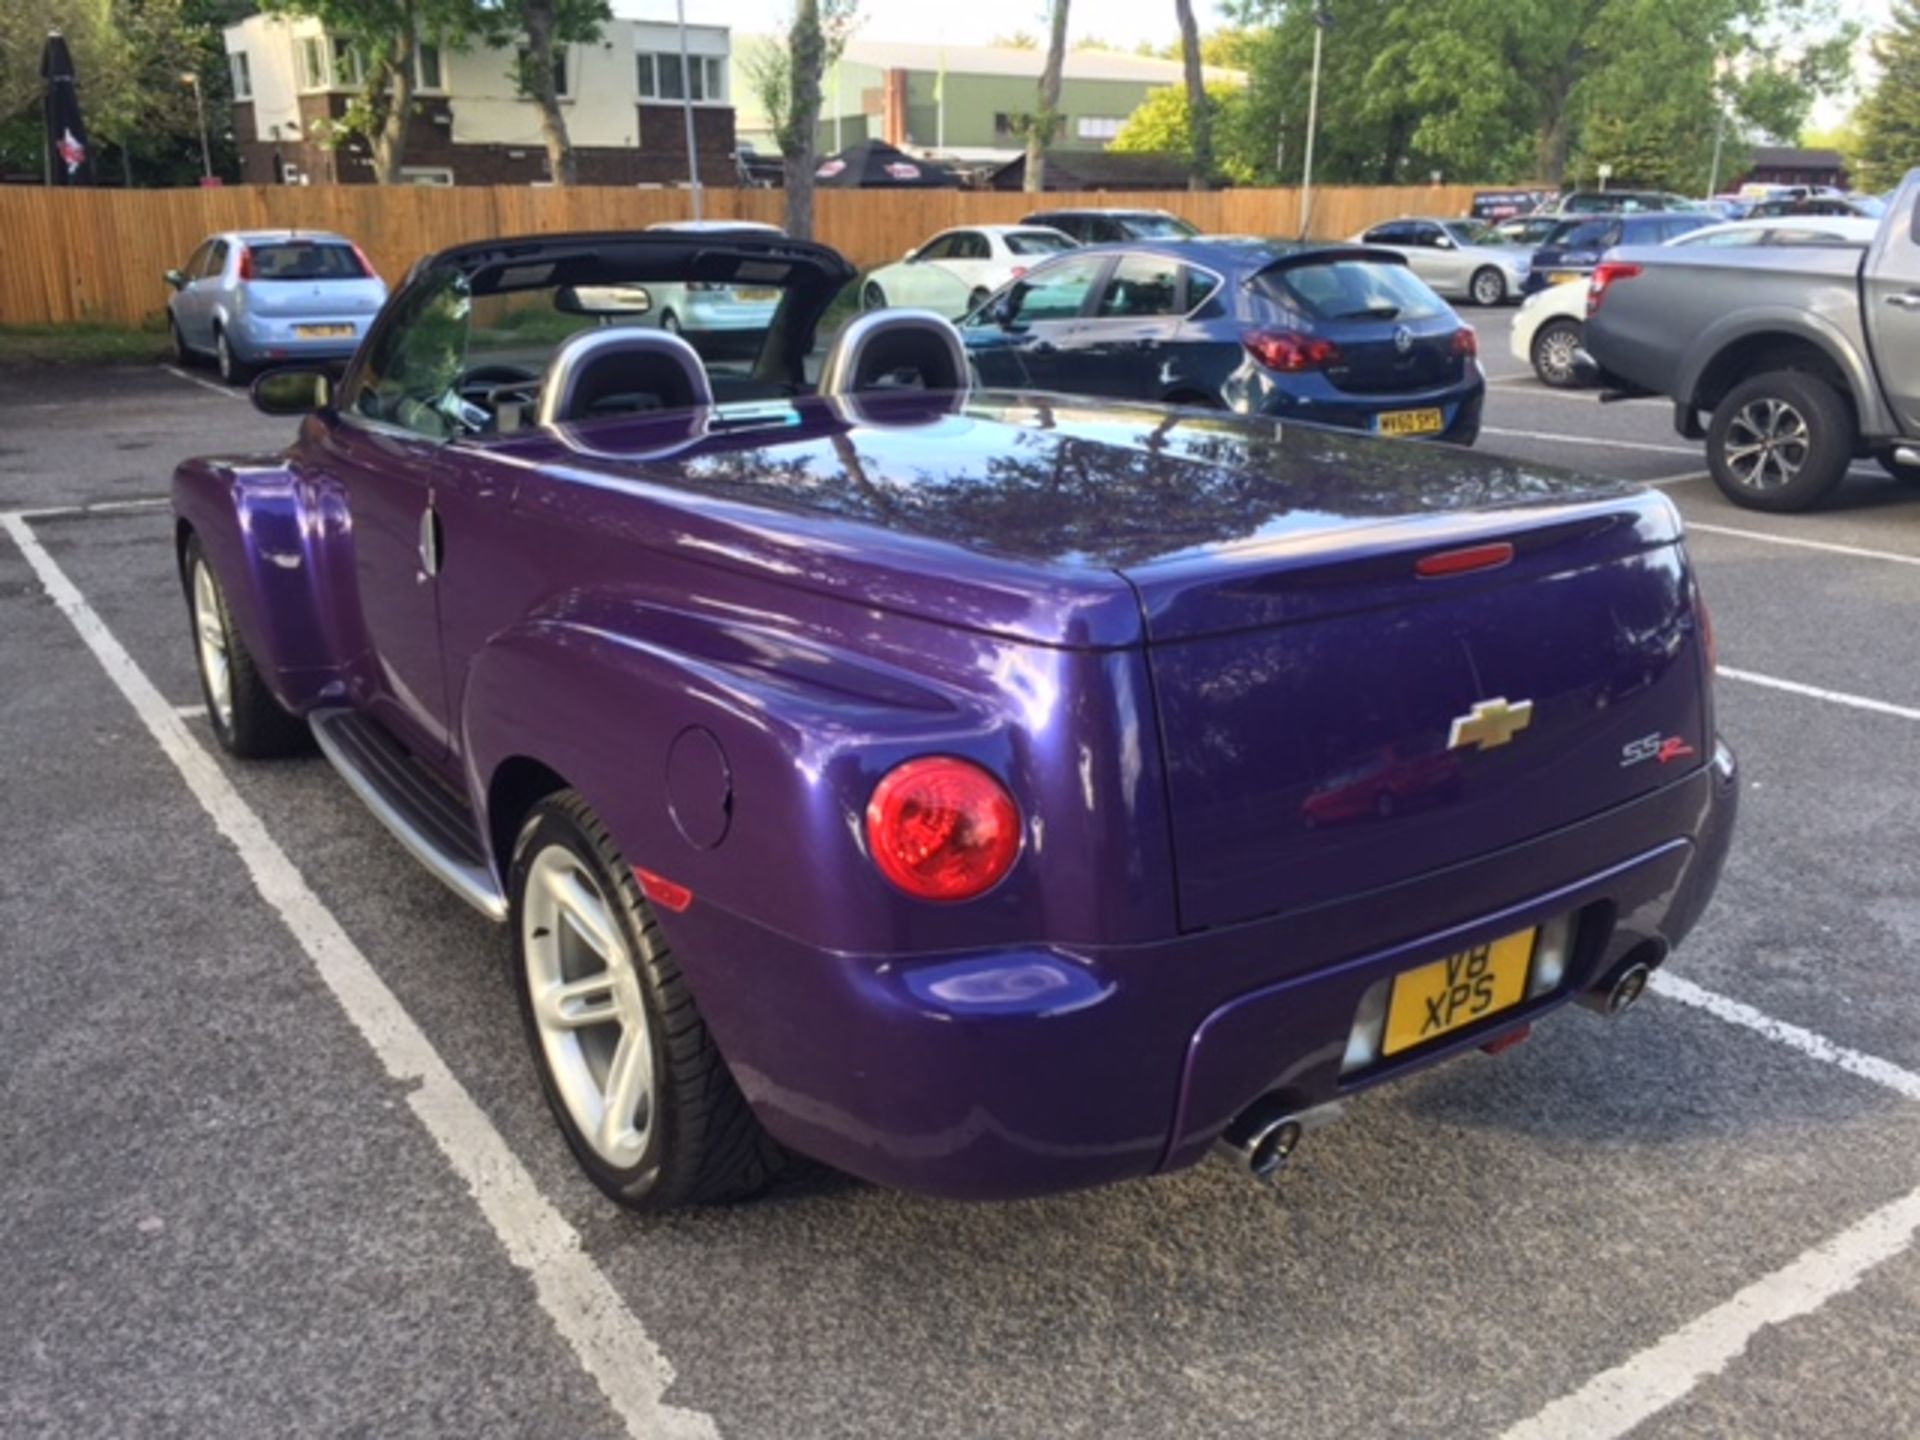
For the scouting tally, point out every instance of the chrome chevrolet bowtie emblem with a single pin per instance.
(1490, 724)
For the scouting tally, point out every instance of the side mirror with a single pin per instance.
(292, 392)
(907, 259)
(1443, 242)
(176, 279)
(1004, 310)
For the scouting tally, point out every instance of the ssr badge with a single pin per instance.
(1664, 748)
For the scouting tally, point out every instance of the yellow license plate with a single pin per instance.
(1561, 277)
(1410, 422)
(323, 332)
(1450, 994)
(757, 294)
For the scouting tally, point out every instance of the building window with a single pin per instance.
(348, 69)
(1002, 124)
(426, 175)
(559, 71)
(242, 75)
(426, 66)
(314, 74)
(1098, 127)
(661, 77)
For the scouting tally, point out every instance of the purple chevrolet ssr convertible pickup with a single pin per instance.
(983, 793)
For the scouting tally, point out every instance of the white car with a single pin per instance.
(1548, 331)
(1461, 259)
(718, 320)
(958, 269)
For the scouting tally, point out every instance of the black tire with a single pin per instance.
(1552, 353)
(703, 1144)
(252, 725)
(182, 356)
(1488, 286)
(1812, 437)
(232, 368)
(872, 297)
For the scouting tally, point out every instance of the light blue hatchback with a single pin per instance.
(251, 299)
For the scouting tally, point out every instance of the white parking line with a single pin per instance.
(221, 390)
(1815, 692)
(588, 1312)
(1591, 441)
(1856, 551)
(99, 507)
(1615, 1401)
(1684, 478)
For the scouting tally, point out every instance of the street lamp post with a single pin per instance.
(1321, 20)
(192, 80)
(686, 105)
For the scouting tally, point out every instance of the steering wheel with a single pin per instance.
(483, 383)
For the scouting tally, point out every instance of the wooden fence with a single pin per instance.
(97, 256)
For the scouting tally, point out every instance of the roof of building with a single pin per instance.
(1101, 170)
(1797, 158)
(1025, 63)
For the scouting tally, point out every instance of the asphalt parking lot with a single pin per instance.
(274, 1159)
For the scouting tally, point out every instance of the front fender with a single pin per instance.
(1827, 333)
(261, 532)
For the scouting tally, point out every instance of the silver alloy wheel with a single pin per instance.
(1554, 355)
(587, 1005)
(210, 635)
(1767, 443)
(1489, 288)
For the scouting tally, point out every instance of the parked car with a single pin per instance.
(1616, 202)
(1550, 329)
(1527, 231)
(727, 321)
(1865, 207)
(1102, 226)
(924, 781)
(1801, 358)
(957, 269)
(248, 298)
(1571, 252)
(1333, 334)
(1461, 259)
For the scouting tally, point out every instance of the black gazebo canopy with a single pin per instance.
(876, 165)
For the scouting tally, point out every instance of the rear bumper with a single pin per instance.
(261, 341)
(1024, 1071)
(1319, 403)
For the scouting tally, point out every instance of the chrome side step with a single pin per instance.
(427, 818)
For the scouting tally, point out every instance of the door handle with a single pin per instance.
(1909, 301)
(429, 545)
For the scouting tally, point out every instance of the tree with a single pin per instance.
(816, 37)
(1199, 116)
(1018, 40)
(549, 25)
(1042, 124)
(384, 40)
(1889, 118)
(1160, 125)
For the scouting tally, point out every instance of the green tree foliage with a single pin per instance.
(1160, 127)
(1889, 118)
(1503, 90)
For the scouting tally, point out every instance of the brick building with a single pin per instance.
(622, 96)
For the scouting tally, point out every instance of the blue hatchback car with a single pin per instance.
(254, 298)
(1340, 335)
(1575, 247)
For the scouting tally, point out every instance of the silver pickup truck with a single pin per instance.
(1800, 358)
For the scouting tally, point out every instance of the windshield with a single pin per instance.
(1350, 290)
(1582, 235)
(1472, 232)
(306, 260)
(1158, 227)
(1037, 242)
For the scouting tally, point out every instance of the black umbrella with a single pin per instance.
(69, 159)
(876, 165)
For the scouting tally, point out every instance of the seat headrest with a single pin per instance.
(882, 343)
(596, 366)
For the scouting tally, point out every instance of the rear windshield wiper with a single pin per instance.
(1372, 312)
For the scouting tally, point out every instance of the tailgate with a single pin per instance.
(1335, 722)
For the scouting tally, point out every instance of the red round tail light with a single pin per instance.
(942, 829)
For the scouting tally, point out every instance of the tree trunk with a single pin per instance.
(807, 52)
(1040, 130)
(388, 143)
(561, 168)
(1199, 111)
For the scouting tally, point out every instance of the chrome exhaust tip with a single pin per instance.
(1627, 987)
(1262, 1149)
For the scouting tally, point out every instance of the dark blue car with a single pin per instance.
(1339, 335)
(1575, 248)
